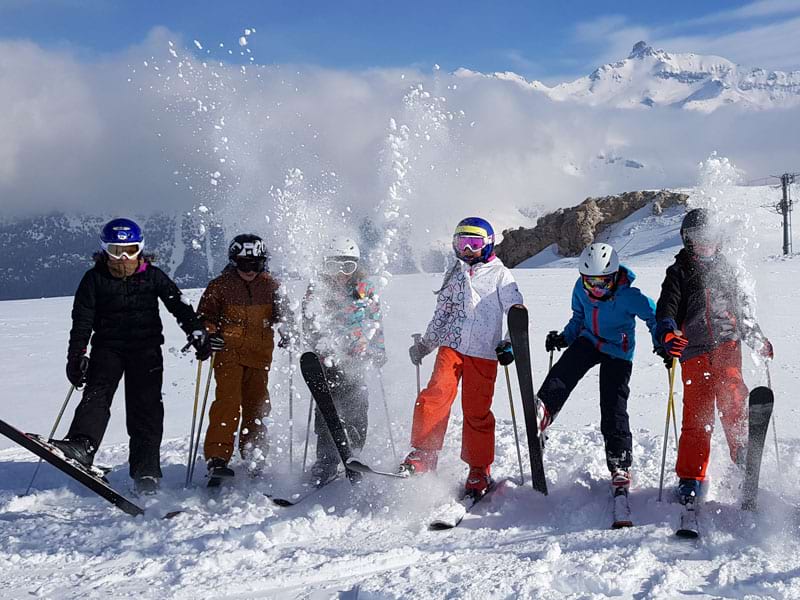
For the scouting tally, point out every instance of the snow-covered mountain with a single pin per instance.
(650, 77)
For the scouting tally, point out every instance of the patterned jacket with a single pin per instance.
(471, 308)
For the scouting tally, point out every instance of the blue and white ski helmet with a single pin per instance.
(476, 227)
(121, 231)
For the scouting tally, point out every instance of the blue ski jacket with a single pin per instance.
(611, 324)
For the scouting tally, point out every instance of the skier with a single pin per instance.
(239, 309)
(467, 329)
(703, 316)
(342, 323)
(116, 304)
(601, 331)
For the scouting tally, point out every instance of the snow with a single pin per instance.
(64, 542)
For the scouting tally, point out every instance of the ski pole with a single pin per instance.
(388, 417)
(514, 421)
(202, 414)
(550, 367)
(291, 411)
(774, 429)
(417, 338)
(194, 422)
(308, 431)
(670, 409)
(52, 434)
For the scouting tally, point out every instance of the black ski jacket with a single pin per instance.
(123, 313)
(705, 300)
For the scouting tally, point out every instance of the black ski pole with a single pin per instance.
(291, 411)
(774, 429)
(308, 431)
(52, 434)
(514, 421)
(417, 338)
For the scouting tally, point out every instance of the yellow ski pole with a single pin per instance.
(202, 414)
(670, 409)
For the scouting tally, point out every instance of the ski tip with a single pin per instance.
(687, 534)
(621, 524)
(441, 526)
(172, 514)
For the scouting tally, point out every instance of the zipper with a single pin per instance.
(596, 325)
(708, 315)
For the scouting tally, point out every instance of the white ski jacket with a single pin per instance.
(471, 309)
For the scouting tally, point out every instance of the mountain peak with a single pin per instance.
(640, 50)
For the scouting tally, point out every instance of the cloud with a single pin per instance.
(188, 130)
(754, 10)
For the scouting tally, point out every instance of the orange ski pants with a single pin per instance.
(432, 410)
(241, 393)
(714, 377)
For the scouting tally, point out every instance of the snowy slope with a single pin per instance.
(650, 77)
(62, 542)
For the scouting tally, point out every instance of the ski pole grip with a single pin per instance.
(186, 347)
(417, 337)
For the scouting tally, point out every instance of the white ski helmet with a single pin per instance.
(598, 259)
(343, 247)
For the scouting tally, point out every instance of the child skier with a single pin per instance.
(116, 304)
(601, 331)
(239, 309)
(342, 323)
(467, 329)
(703, 316)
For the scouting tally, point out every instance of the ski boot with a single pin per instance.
(218, 471)
(419, 461)
(543, 417)
(479, 481)
(79, 449)
(321, 472)
(620, 485)
(146, 485)
(689, 490)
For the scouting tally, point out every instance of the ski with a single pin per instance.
(760, 411)
(518, 330)
(356, 465)
(314, 374)
(450, 516)
(299, 497)
(688, 528)
(621, 509)
(89, 478)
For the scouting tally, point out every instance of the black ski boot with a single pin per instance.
(321, 472)
(218, 471)
(79, 449)
(146, 485)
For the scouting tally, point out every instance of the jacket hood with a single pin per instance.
(626, 277)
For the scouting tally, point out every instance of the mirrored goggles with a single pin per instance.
(700, 236)
(346, 267)
(469, 243)
(599, 284)
(118, 251)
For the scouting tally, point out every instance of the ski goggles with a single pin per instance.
(251, 264)
(346, 267)
(599, 285)
(118, 251)
(472, 244)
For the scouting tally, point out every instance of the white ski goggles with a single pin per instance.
(118, 251)
(346, 267)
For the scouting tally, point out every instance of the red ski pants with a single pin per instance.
(432, 411)
(714, 377)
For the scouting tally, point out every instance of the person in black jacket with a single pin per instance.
(703, 316)
(116, 305)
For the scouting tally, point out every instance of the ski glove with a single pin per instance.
(505, 353)
(418, 351)
(201, 342)
(217, 342)
(379, 358)
(555, 341)
(664, 355)
(674, 343)
(286, 340)
(77, 365)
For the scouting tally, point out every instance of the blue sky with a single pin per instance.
(551, 41)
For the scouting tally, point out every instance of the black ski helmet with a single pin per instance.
(697, 225)
(248, 250)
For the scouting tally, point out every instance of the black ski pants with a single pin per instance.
(615, 373)
(351, 399)
(144, 411)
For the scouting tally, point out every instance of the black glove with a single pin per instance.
(555, 341)
(286, 340)
(77, 365)
(505, 353)
(664, 355)
(217, 342)
(201, 342)
(418, 351)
